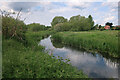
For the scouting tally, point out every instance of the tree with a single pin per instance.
(80, 23)
(91, 21)
(76, 23)
(110, 24)
(100, 26)
(95, 27)
(37, 27)
(58, 19)
(62, 27)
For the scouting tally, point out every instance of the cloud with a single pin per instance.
(69, 6)
(44, 12)
(112, 0)
(107, 17)
(112, 5)
(110, 18)
(59, 10)
(4, 5)
(78, 5)
(26, 6)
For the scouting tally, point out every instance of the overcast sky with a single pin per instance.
(44, 12)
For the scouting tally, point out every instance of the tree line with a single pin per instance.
(35, 27)
(76, 23)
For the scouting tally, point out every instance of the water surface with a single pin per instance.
(95, 66)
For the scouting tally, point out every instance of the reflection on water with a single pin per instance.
(93, 65)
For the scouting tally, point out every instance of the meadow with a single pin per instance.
(30, 61)
(105, 42)
(22, 57)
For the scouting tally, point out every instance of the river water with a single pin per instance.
(95, 66)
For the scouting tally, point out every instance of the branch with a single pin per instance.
(24, 19)
(1, 12)
(18, 14)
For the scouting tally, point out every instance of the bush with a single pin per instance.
(117, 27)
(37, 27)
(13, 28)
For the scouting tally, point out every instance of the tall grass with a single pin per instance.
(105, 42)
(31, 62)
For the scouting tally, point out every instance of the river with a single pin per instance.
(95, 66)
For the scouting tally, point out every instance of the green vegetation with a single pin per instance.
(76, 23)
(13, 28)
(105, 42)
(58, 19)
(31, 62)
(35, 27)
(28, 60)
(23, 58)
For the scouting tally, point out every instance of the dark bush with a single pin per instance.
(37, 27)
(13, 28)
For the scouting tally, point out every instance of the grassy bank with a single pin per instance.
(105, 42)
(30, 61)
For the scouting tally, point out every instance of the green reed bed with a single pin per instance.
(30, 61)
(105, 42)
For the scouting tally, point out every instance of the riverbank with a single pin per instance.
(30, 61)
(105, 42)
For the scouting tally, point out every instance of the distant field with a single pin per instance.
(105, 42)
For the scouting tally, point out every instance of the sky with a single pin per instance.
(44, 11)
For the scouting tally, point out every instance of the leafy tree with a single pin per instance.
(58, 19)
(80, 23)
(37, 27)
(100, 26)
(95, 27)
(91, 21)
(76, 23)
(62, 27)
(76, 18)
(110, 24)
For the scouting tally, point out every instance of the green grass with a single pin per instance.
(105, 42)
(31, 62)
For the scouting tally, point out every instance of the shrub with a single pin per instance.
(37, 27)
(13, 28)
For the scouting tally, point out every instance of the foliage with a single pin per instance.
(13, 28)
(62, 26)
(37, 27)
(80, 23)
(95, 27)
(58, 19)
(105, 42)
(91, 21)
(110, 24)
(31, 62)
(100, 26)
(76, 23)
(117, 27)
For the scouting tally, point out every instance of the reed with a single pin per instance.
(105, 42)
